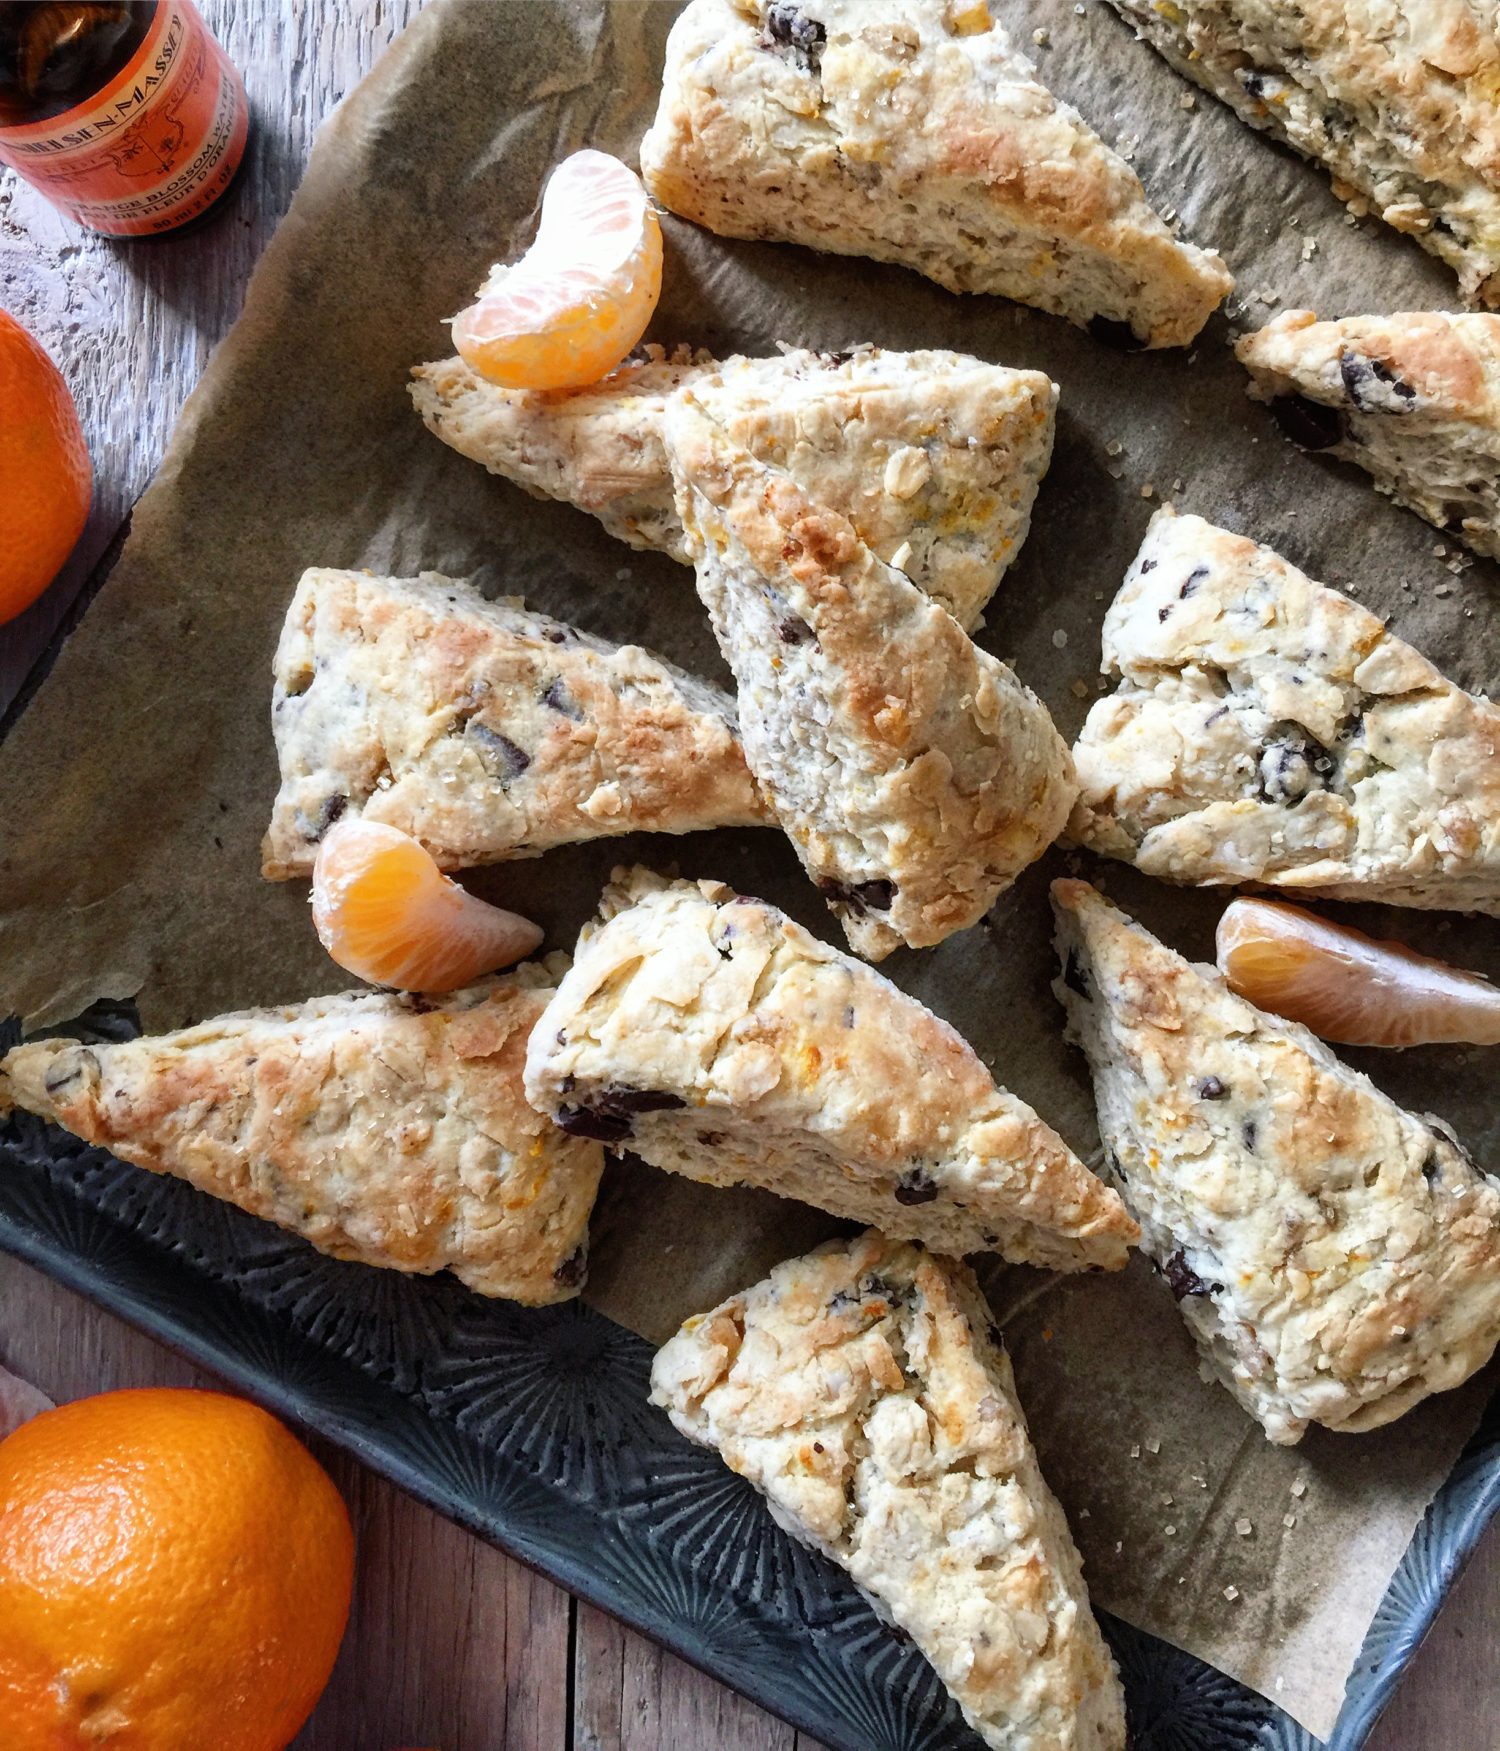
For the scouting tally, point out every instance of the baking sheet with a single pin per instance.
(135, 788)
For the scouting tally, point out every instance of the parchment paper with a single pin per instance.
(134, 790)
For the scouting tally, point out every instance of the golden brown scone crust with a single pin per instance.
(913, 772)
(935, 457)
(912, 131)
(1396, 97)
(1336, 1258)
(384, 1128)
(1268, 729)
(483, 729)
(1415, 400)
(864, 1390)
(717, 1039)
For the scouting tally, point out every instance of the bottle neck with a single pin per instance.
(54, 57)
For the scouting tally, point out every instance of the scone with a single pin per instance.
(384, 1128)
(912, 131)
(913, 772)
(717, 1039)
(1415, 399)
(933, 456)
(1267, 729)
(483, 729)
(1395, 97)
(865, 1391)
(1336, 1258)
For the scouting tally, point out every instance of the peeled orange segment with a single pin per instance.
(575, 304)
(1347, 986)
(386, 913)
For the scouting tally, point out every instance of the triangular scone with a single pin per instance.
(1397, 100)
(717, 1039)
(1336, 1258)
(865, 1391)
(933, 456)
(913, 132)
(383, 1128)
(1267, 729)
(485, 730)
(913, 772)
(1414, 399)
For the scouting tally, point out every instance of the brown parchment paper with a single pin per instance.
(135, 788)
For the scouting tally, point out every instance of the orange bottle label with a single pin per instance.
(155, 146)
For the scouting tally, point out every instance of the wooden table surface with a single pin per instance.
(451, 1644)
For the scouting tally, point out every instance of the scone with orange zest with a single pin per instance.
(717, 1039)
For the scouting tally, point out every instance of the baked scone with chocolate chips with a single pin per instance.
(914, 774)
(912, 131)
(1414, 399)
(717, 1039)
(1336, 1258)
(1267, 729)
(1396, 100)
(865, 1391)
(384, 1128)
(484, 729)
(934, 457)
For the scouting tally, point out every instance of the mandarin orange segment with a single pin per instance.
(580, 298)
(175, 1571)
(1347, 986)
(386, 913)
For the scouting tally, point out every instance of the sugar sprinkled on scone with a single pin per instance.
(1414, 399)
(1398, 101)
(865, 1392)
(914, 774)
(384, 1128)
(1336, 1258)
(912, 131)
(934, 457)
(1268, 729)
(717, 1039)
(484, 730)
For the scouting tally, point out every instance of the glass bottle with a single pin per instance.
(128, 117)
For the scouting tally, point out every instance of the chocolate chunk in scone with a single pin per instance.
(1336, 1258)
(713, 1037)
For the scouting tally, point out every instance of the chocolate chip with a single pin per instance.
(1249, 1131)
(1364, 378)
(848, 1015)
(1308, 423)
(1191, 582)
(498, 754)
(859, 897)
(1292, 764)
(607, 1117)
(69, 1068)
(556, 696)
(793, 29)
(793, 630)
(1075, 978)
(1147, 565)
(556, 635)
(1183, 1280)
(997, 1337)
(1211, 1089)
(915, 1188)
(314, 827)
(585, 1122)
(574, 1268)
(1119, 335)
(1432, 1168)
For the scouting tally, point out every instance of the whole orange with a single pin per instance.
(45, 477)
(175, 1572)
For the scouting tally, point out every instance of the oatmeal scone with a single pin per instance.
(1268, 729)
(1336, 1258)
(1395, 97)
(865, 1391)
(384, 1128)
(935, 457)
(914, 774)
(484, 729)
(717, 1039)
(913, 131)
(1414, 399)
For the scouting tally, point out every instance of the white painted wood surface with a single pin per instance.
(451, 1643)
